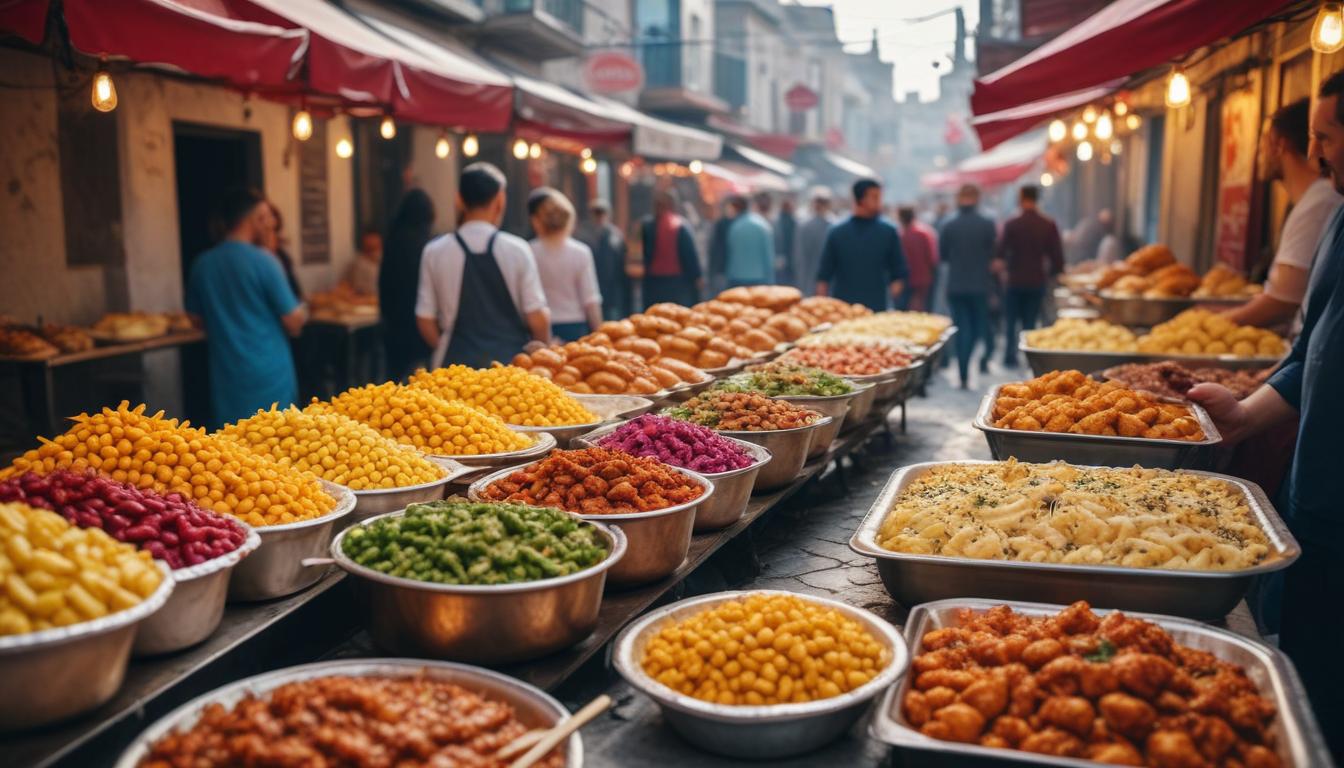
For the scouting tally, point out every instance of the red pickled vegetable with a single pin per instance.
(679, 443)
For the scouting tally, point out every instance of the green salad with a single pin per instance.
(776, 380)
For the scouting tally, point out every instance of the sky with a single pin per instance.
(912, 47)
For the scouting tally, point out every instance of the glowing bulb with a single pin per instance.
(1178, 89)
(1047, 179)
(696, 166)
(1058, 130)
(586, 153)
(1327, 33)
(1117, 147)
(471, 145)
(443, 148)
(1133, 121)
(1121, 108)
(1085, 151)
(1079, 131)
(303, 125)
(520, 149)
(104, 92)
(1104, 129)
(534, 151)
(1090, 114)
(589, 165)
(627, 169)
(344, 149)
(388, 128)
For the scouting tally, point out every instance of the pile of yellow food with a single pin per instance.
(333, 447)
(420, 419)
(167, 455)
(508, 392)
(1070, 402)
(764, 649)
(1201, 332)
(915, 327)
(1083, 335)
(56, 574)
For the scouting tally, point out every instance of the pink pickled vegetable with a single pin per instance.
(679, 443)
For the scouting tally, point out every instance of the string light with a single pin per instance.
(344, 149)
(520, 149)
(696, 166)
(1085, 151)
(534, 151)
(1178, 89)
(1079, 131)
(1133, 121)
(627, 169)
(388, 128)
(589, 165)
(104, 92)
(1117, 147)
(1327, 33)
(443, 147)
(303, 125)
(1090, 114)
(471, 145)
(1057, 131)
(586, 153)
(1104, 129)
(1047, 179)
(1121, 108)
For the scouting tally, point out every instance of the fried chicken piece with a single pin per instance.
(1010, 728)
(1114, 753)
(1072, 713)
(1127, 715)
(1173, 749)
(1053, 741)
(1143, 674)
(955, 722)
(988, 696)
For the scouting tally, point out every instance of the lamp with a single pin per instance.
(1327, 33)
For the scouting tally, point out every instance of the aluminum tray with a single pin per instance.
(545, 444)
(532, 706)
(1097, 450)
(1043, 361)
(1208, 595)
(1297, 733)
(1145, 313)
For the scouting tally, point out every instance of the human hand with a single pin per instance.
(533, 346)
(1227, 412)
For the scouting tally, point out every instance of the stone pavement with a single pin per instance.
(801, 547)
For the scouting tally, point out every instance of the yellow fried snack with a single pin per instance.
(333, 447)
(167, 455)
(912, 327)
(418, 418)
(1201, 332)
(54, 574)
(764, 649)
(1083, 335)
(1069, 401)
(508, 392)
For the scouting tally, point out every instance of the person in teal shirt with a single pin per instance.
(248, 308)
(750, 247)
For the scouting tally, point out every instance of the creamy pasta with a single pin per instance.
(1061, 513)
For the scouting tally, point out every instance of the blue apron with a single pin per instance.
(488, 326)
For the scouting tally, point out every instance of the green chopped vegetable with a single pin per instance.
(455, 542)
(776, 380)
(1103, 653)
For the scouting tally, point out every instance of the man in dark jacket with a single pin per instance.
(1031, 253)
(786, 235)
(671, 261)
(966, 247)
(608, 246)
(862, 261)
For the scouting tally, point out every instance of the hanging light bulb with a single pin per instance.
(471, 145)
(696, 166)
(589, 165)
(1133, 121)
(1047, 179)
(1085, 151)
(627, 169)
(1327, 33)
(443, 147)
(534, 151)
(388, 128)
(344, 149)
(520, 149)
(586, 153)
(1121, 108)
(104, 91)
(1090, 114)
(1079, 131)
(302, 126)
(1057, 131)
(1178, 89)
(1104, 129)
(1117, 147)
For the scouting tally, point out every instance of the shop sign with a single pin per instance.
(800, 98)
(1241, 117)
(613, 72)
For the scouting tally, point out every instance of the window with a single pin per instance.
(694, 55)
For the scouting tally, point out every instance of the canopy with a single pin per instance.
(847, 165)
(1004, 164)
(763, 159)
(997, 127)
(25, 18)
(744, 179)
(1125, 37)
(654, 137)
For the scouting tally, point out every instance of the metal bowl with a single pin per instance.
(274, 569)
(196, 606)
(544, 445)
(756, 732)
(658, 540)
(835, 406)
(379, 500)
(58, 673)
(1140, 312)
(1043, 361)
(618, 406)
(562, 434)
(532, 706)
(479, 623)
(788, 447)
(686, 391)
(733, 366)
(732, 489)
(865, 394)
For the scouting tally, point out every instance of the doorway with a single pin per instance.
(209, 161)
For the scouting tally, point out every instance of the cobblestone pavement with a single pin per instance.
(801, 547)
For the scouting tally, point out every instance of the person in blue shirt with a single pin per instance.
(248, 308)
(1308, 387)
(750, 248)
(862, 261)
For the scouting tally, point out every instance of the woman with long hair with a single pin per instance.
(568, 273)
(398, 280)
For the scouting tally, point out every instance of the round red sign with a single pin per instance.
(613, 72)
(800, 98)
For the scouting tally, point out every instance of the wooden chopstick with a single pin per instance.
(559, 732)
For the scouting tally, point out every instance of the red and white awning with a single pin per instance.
(997, 127)
(1002, 165)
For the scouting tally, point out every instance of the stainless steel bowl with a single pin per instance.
(1043, 361)
(755, 732)
(732, 367)
(532, 706)
(196, 606)
(482, 624)
(617, 406)
(1140, 312)
(563, 434)
(544, 444)
(788, 447)
(55, 674)
(732, 489)
(865, 394)
(687, 391)
(377, 501)
(658, 540)
(274, 569)
(834, 406)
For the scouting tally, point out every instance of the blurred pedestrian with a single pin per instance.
(1030, 254)
(398, 277)
(568, 273)
(786, 238)
(811, 239)
(671, 262)
(362, 276)
(275, 241)
(920, 244)
(608, 246)
(862, 261)
(729, 210)
(751, 245)
(966, 249)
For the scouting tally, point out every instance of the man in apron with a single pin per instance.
(480, 298)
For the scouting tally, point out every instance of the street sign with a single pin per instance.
(613, 72)
(800, 98)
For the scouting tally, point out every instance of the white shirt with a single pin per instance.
(1301, 232)
(569, 277)
(441, 276)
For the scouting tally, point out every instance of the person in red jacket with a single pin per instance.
(921, 257)
(1030, 252)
